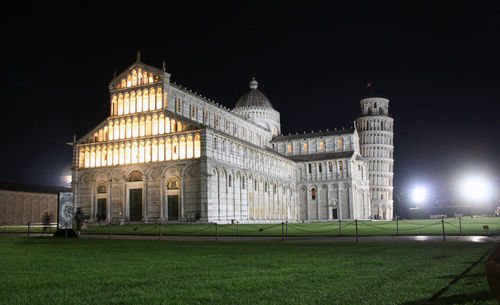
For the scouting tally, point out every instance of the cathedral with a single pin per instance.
(167, 153)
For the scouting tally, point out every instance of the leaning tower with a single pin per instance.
(375, 128)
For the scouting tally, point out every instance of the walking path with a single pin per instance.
(419, 238)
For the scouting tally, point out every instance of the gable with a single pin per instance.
(138, 125)
(137, 74)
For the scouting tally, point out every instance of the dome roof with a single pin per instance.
(253, 98)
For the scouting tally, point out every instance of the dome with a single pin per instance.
(253, 98)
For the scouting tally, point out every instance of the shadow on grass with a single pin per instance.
(473, 275)
(479, 296)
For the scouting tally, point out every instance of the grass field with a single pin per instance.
(84, 271)
(470, 226)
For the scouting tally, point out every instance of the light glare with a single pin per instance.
(476, 189)
(419, 194)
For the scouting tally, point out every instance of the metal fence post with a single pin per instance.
(286, 228)
(29, 228)
(397, 225)
(159, 231)
(119, 227)
(238, 228)
(66, 230)
(340, 227)
(282, 231)
(442, 224)
(216, 232)
(357, 233)
(109, 230)
(460, 222)
(5, 223)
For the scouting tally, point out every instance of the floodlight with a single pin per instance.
(477, 188)
(419, 194)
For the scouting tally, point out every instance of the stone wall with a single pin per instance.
(18, 207)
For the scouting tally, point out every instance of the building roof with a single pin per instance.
(312, 135)
(33, 188)
(253, 98)
(321, 156)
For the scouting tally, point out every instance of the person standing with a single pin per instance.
(79, 217)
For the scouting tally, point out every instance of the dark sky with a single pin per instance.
(437, 62)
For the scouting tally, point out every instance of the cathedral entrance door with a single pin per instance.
(334, 213)
(101, 209)
(135, 204)
(173, 207)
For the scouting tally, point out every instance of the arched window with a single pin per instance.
(98, 157)
(103, 156)
(148, 151)
(161, 150)
(182, 148)
(139, 76)
(120, 104)
(122, 129)
(92, 157)
(340, 165)
(150, 78)
(161, 124)
(110, 155)
(142, 127)
(152, 104)
(126, 104)
(100, 135)
(189, 152)
(154, 151)
(129, 81)
(243, 182)
(305, 146)
(134, 78)
(105, 134)
(158, 99)
(127, 154)
(124, 83)
(129, 128)
(179, 126)
(322, 145)
(139, 101)
(340, 143)
(81, 158)
(145, 77)
(230, 181)
(313, 194)
(114, 101)
(135, 128)
(175, 149)
(134, 158)
(197, 146)
(330, 167)
(168, 150)
(155, 125)
(289, 148)
(141, 152)
(148, 126)
(115, 155)
(122, 154)
(265, 187)
(167, 125)
(132, 102)
(173, 126)
(145, 100)
(87, 157)
(110, 131)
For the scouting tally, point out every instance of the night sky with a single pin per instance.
(439, 64)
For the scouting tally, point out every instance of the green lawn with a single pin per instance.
(470, 226)
(86, 271)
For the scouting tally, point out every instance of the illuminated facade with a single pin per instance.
(167, 153)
